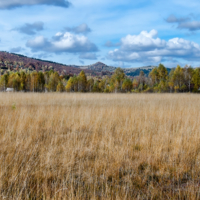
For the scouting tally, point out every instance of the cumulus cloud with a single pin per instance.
(30, 29)
(62, 42)
(88, 56)
(9, 4)
(147, 47)
(82, 28)
(38, 43)
(143, 41)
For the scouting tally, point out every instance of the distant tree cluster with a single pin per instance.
(185, 79)
(33, 82)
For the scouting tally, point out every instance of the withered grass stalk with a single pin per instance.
(99, 146)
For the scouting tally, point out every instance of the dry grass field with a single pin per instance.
(99, 146)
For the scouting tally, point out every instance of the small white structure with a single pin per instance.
(9, 90)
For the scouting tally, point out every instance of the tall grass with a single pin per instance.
(99, 146)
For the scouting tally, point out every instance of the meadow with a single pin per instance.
(99, 146)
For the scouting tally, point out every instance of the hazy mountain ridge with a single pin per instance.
(101, 67)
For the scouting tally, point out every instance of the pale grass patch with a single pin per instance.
(99, 146)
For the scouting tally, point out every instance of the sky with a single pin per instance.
(122, 33)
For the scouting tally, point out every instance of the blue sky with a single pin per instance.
(123, 33)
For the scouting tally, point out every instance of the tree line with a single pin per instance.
(186, 79)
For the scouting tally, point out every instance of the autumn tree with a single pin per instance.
(154, 75)
(14, 81)
(188, 73)
(196, 79)
(90, 84)
(60, 87)
(127, 85)
(111, 87)
(141, 80)
(23, 81)
(54, 79)
(135, 84)
(102, 85)
(34, 81)
(162, 73)
(82, 82)
(96, 87)
(75, 83)
(178, 78)
(117, 79)
(41, 81)
(4, 81)
(28, 82)
(159, 76)
(70, 85)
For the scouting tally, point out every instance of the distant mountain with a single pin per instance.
(12, 61)
(101, 67)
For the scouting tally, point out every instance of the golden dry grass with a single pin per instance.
(99, 146)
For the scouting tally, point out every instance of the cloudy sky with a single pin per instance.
(123, 33)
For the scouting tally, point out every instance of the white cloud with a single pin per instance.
(62, 42)
(143, 41)
(147, 47)
(38, 42)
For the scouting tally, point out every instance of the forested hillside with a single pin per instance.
(15, 62)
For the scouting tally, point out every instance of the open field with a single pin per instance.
(99, 146)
